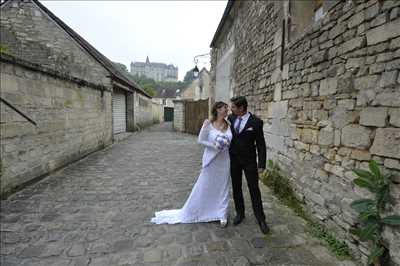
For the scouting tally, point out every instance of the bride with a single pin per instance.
(208, 200)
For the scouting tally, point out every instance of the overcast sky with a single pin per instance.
(125, 31)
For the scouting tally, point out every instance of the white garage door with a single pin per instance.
(119, 112)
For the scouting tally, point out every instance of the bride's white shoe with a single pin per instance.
(223, 222)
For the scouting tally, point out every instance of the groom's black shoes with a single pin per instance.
(238, 219)
(264, 227)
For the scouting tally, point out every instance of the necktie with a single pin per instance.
(237, 129)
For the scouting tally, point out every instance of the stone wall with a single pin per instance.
(52, 79)
(130, 112)
(72, 121)
(330, 103)
(179, 115)
(27, 32)
(144, 115)
(158, 112)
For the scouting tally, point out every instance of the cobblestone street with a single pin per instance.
(97, 212)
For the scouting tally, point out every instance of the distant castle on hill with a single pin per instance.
(156, 71)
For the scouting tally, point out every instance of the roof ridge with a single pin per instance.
(102, 59)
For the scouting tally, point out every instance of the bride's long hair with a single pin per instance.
(214, 113)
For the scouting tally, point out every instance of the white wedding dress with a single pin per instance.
(208, 200)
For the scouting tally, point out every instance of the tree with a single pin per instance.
(152, 87)
(149, 90)
(121, 67)
(148, 84)
(189, 77)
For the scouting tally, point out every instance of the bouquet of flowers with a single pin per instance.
(222, 142)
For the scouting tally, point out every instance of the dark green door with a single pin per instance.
(168, 114)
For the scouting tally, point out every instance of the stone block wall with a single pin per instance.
(144, 115)
(72, 120)
(179, 115)
(158, 112)
(27, 32)
(330, 102)
(130, 111)
(50, 77)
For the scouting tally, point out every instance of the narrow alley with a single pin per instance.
(97, 212)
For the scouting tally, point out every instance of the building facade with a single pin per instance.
(78, 100)
(198, 89)
(324, 78)
(156, 71)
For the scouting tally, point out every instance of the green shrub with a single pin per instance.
(370, 209)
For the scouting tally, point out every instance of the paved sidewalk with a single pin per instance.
(97, 212)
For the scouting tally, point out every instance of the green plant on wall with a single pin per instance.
(274, 179)
(68, 104)
(280, 184)
(371, 209)
(80, 98)
(3, 49)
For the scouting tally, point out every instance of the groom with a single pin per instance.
(248, 137)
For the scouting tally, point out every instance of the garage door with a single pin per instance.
(119, 112)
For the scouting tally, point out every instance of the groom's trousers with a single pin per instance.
(251, 172)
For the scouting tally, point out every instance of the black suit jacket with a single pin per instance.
(251, 139)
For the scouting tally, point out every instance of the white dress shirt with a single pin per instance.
(245, 118)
